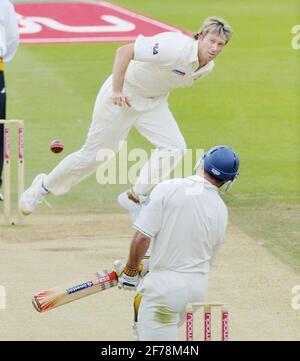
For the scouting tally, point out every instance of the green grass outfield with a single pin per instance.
(251, 102)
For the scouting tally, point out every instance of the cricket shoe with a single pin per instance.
(132, 203)
(33, 196)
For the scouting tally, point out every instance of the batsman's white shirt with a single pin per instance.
(187, 220)
(9, 33)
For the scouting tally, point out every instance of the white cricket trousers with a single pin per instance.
(165, 295)
(110, 125)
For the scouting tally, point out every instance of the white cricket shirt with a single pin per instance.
(164, 62)
(187, 219)
(9, 33)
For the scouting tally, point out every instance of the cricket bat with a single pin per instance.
(58, 296)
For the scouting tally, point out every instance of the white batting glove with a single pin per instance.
(128, 278)
(128, 282)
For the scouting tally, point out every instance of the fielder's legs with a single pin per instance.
(2, 116)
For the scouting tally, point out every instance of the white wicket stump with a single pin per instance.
(7, 167)
(214, 322)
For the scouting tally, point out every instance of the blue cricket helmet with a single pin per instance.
(222, 162)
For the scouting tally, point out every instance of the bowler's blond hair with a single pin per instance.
(215, 25)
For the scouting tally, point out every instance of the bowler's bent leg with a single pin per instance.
(161, 129)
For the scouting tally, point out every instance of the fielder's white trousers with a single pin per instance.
(110, 125)
(165, 295)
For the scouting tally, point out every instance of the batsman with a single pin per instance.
(186, 220)
(136, 95)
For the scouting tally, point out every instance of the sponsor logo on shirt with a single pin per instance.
(155, 48)
(179, 72)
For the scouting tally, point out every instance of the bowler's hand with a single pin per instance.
(121, 99)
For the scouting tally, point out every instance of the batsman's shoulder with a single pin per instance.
(161, 188)
(171, 183)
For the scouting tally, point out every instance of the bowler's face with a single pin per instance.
(209, 46)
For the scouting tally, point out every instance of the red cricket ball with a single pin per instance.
(57, 146)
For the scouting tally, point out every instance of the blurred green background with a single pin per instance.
(250, 102)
